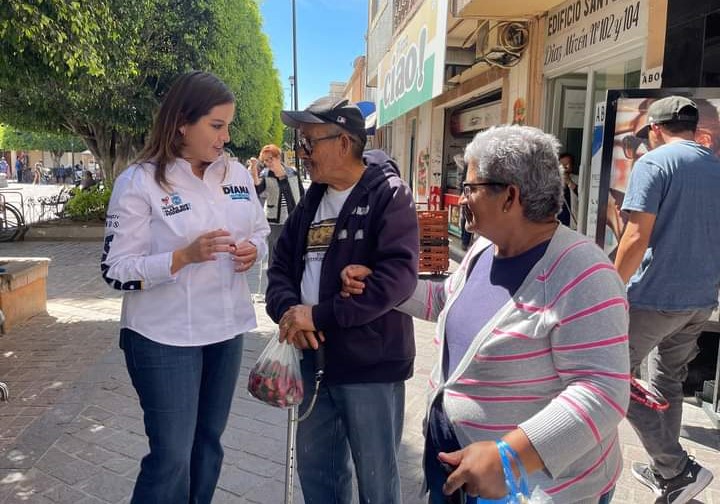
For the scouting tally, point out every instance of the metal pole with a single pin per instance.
(296, 147)
(290, 455)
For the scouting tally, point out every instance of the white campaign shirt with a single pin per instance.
(319, 237)
(202, 303)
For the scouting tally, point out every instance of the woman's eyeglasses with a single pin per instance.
(309, 143)
(468, 187)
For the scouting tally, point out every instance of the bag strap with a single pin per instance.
(515, 486)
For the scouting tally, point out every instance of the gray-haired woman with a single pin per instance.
(532, 336)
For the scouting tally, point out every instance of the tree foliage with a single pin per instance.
(107, 95)
(13, 139)
(57, 34)
(55, 143)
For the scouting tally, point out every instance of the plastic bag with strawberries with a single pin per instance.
(275, 378)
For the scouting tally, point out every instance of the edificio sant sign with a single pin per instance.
(582, 29)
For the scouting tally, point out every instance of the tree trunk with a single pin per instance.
(113, 149)
(57, 156)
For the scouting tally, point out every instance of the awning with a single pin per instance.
(368, 111)
(507, 9)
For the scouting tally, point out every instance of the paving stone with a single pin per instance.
(240, 482)
(273, 492)
(121, 465)
(27, 486)
(64, 494)
(65, 467)
(108, 486)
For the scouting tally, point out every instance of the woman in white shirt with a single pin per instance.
(183, 226)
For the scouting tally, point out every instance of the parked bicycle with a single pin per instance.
(12, 218)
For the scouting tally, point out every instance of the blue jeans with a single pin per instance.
(436, 477)
(363, 421)
(185, 394)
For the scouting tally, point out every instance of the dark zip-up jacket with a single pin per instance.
(366, 340)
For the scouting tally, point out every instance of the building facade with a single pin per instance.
(445, 70)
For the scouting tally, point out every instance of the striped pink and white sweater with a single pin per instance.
(553, 362)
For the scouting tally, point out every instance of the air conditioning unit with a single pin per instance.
(501, 43)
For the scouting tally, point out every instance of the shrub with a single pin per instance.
(90, 204)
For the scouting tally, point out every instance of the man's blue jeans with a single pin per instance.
(363, 421)
(185, 394)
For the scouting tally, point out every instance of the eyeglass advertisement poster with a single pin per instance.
(625, 115)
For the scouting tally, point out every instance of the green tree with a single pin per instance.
(60, 35)
(257, 87)
(55, 143)
(108, 98)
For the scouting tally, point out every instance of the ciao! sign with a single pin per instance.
(407, 70)
(579, 30)
(411, 72)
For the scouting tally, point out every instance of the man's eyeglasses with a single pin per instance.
(634, 147)
(309, 143)
(468, 187)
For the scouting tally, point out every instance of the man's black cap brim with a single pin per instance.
(296, 118)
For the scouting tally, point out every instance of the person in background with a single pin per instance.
(281, 188)
(531, 336)
(87, 181)
(37, 173)
(183, 226)
(669, 257)
(19, 169)
(4, 167)
(568, 211)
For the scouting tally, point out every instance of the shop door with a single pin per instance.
(572, 98)
(568, 113)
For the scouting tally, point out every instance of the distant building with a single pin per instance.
(337, 89)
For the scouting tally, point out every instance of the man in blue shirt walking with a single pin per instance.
(669, 256)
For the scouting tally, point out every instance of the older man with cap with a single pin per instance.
(669, 256)
(357, 210)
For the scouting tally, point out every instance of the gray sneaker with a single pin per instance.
(645, 475)
(683, 487)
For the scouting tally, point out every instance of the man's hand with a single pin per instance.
(478, 468)
(297, 327)
(304, 340)
(352, 277)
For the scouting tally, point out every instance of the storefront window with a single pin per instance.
(624, 75)
(572, 99)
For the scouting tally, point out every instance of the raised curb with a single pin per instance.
(78, 232)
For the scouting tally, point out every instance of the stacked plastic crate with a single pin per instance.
(434, 245)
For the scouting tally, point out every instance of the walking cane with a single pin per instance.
(293, 421)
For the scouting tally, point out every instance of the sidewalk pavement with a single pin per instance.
(72, 431)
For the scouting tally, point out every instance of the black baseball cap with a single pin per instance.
(328, 110)
(669, 110)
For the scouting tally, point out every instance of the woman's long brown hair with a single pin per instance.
(190, 97)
